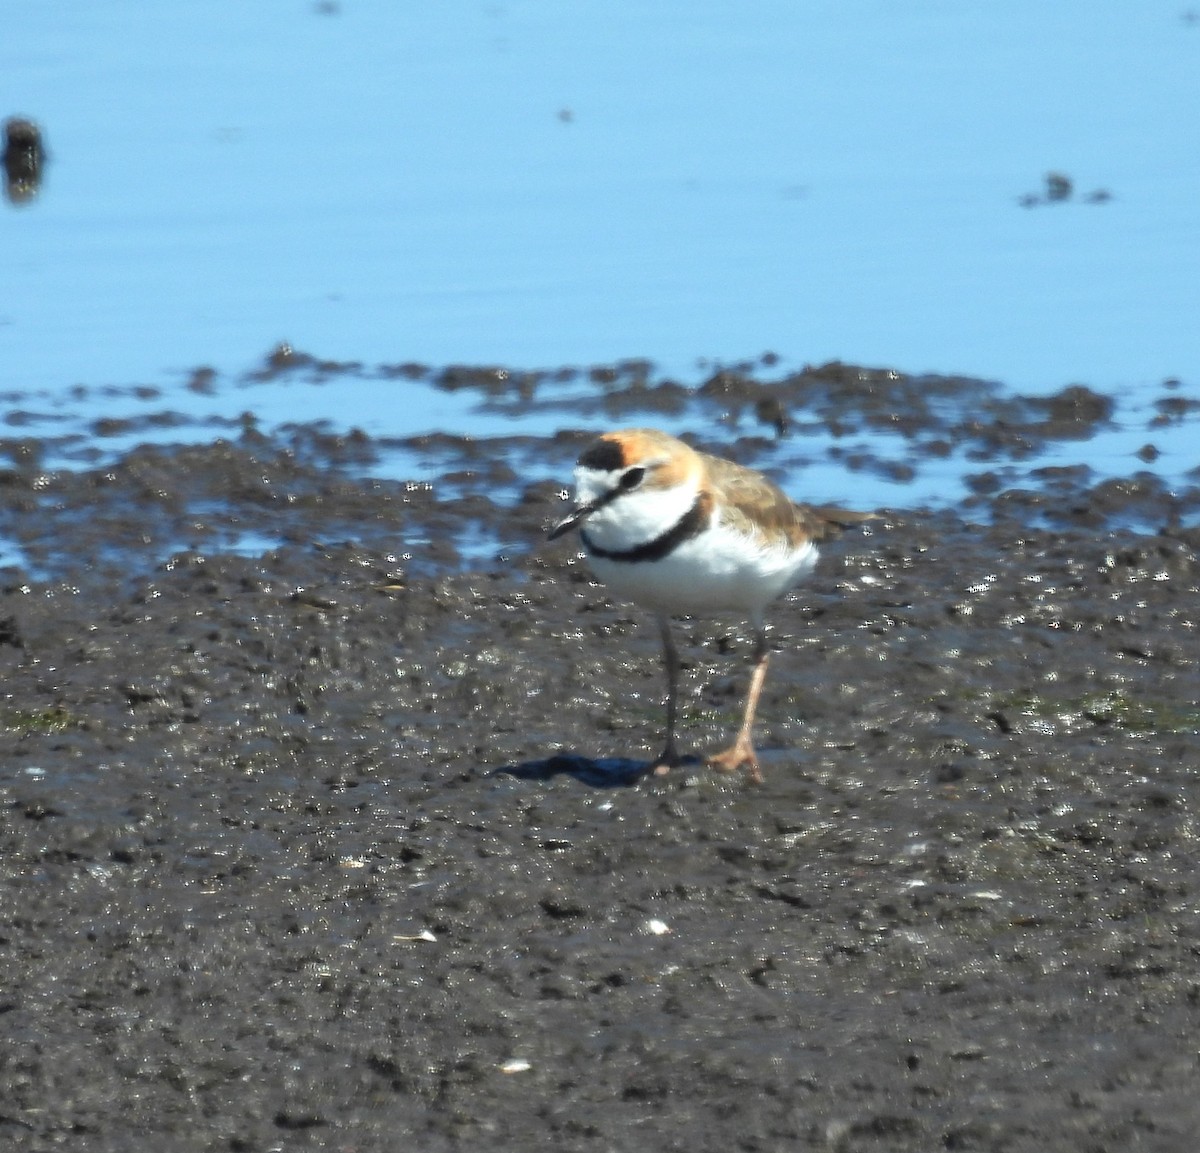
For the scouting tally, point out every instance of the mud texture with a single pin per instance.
(346, 845)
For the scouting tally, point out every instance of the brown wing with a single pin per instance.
(752, 500)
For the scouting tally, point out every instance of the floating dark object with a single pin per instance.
(1058, 186)
(24, 159)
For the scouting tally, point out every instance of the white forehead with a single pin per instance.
(591, 482)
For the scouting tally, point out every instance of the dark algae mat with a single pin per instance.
(345, 842)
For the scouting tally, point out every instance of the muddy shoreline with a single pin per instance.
(344, 844)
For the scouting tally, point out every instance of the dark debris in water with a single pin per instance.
(1059, 188)
(442, 501)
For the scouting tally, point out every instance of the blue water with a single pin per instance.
(544, 184)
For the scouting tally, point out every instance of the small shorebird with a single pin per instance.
(684, 533)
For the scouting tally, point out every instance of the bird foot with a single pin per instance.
(739, 755)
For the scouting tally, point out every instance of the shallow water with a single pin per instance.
(396, 189)
(421, 419)
(523, 184)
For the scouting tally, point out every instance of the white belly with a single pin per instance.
(718, 571)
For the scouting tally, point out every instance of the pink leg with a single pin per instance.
(741, 753)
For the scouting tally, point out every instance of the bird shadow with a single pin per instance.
(599, 772)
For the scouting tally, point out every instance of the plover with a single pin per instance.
(685, 533)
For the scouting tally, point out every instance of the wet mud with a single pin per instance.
(344, 841)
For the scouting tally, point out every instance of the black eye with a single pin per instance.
(632, 478)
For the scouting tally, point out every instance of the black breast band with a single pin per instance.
(692, 523)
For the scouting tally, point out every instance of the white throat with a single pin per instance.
(633, 518)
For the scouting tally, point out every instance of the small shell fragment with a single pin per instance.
(423, 935)
(656, 927)
(516, 1065)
